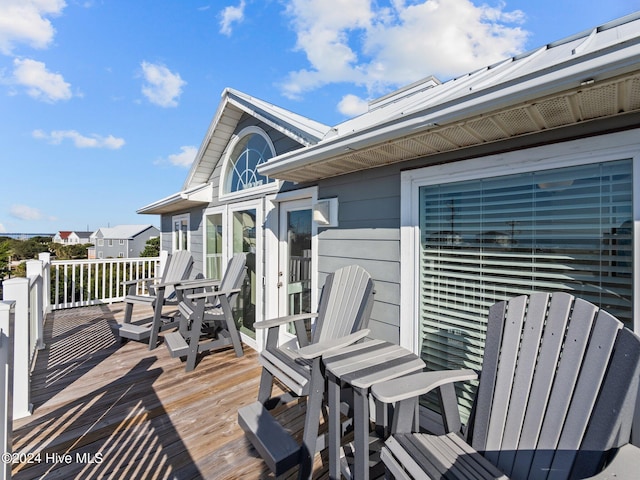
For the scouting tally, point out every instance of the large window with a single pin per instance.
(251, 149)
(484, 240)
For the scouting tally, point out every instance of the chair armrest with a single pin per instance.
(275, 322)
(217, 293)
(624, 465)
(417, 384)
(322, 348)
(201, 282)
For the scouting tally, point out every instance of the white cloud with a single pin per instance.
(231, 15)
(2, 229)
(381, 47)
(352, 106)
(185, 158)
(39, 82)
(80, 141)
(23, 212)
(162, 87)
(24, 21)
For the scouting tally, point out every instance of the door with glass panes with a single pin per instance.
(295, 259)
(229, 230)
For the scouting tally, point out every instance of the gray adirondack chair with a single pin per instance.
(343, 315)
(161, 292)
(206, 316)
(555, 400)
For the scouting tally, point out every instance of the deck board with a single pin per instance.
(137, 409)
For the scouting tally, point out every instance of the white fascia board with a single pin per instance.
(556, 79)
(207, 138)
(200, 194)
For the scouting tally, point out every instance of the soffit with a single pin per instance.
(608, 99)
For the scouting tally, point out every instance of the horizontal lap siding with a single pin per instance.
(368, 235)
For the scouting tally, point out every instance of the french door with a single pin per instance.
(232, 229)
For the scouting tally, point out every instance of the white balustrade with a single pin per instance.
(79, 283)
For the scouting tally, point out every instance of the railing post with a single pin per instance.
(17, 289)
(45, 258)
(6, 384)
(35, 268)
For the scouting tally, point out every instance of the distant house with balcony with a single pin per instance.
(122, 241)
(72, 237)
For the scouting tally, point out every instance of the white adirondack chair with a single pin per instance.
(161, 292)
(342, 317)
(556, 399)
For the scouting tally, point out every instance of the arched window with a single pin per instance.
(252, 147)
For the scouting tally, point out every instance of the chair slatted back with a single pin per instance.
(234, 273)
(558, 387)
(345, 303)
(178, 268)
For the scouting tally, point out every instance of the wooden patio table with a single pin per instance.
(359, 367)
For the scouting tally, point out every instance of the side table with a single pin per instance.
(359, 367)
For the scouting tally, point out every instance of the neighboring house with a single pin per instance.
(513, 178)
(122, 241)
(68, 237)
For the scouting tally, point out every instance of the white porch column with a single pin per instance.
(45, 258)
(35, 269)
(17, 289)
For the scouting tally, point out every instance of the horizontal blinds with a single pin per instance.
(490, 239)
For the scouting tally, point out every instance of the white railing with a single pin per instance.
(30, 299)
(79, 283)
(7, 316)
(24, 306)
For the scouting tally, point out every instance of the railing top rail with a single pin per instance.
(104, 260)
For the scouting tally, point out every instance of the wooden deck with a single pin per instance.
(103, 409)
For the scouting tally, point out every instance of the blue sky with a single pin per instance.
(104, 103)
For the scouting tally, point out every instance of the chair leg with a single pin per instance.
(311, 421)
(128, 312)
(157, 319)
(231, 326)
(266, 386)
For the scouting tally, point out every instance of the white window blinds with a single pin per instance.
(490, 239)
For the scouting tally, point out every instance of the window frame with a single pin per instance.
(574, 153)
(179, 218)
(227, 166)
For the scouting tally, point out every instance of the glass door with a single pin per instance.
(244, 239)
(213, 242)
(294, 273)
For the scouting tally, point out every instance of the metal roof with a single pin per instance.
(122, 231)
(594, 74)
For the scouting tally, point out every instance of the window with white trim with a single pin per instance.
(180, 232)
(251, 148)
(488, 239)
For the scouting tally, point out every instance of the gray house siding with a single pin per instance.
(368, 235)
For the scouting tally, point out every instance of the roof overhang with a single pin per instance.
(599, 86)
(184, 200)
